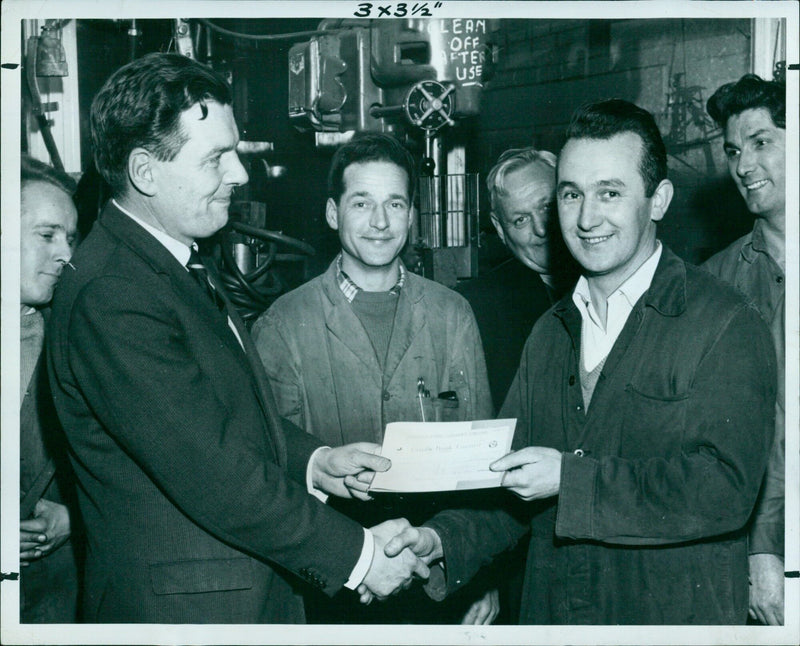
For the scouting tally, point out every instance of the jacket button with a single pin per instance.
(579, 407)
(572, 380)
(386, 396)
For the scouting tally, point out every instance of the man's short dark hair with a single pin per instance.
(33, 170)
(606, 119)
(749, 92)
(140, 105)
(369, 148)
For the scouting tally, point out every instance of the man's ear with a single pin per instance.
(332, 214)
(661, 199)
(141, 171)
(498, 227)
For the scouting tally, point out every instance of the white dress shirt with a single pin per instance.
(597, 340)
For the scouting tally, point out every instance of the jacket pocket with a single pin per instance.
(201, 575)
(653, 422)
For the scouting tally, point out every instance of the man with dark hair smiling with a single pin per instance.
(351, 350)
(752, 113)
(639, 450)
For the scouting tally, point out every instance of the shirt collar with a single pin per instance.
(350, 289)
(632, 289)
(180, 251)
(757, 244)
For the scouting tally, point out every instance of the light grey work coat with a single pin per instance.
(327, 379)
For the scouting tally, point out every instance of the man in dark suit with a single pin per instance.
(195, 493)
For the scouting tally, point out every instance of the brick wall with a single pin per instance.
(547, 68)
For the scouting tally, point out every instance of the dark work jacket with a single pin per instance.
(649, 526)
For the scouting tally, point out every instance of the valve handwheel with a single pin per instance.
(429, 105)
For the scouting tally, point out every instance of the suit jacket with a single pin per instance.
(507, 301)
(191, 486)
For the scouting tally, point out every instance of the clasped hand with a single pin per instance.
(399, 539)
(426, 545)
(45, 532)
(392, 569)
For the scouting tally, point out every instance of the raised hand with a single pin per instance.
(347, 471)
(388, 575)
(531, 473)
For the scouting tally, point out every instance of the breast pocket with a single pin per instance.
(653, 421)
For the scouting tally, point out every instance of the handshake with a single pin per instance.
(401, 555)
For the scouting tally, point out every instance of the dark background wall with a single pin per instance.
(667, 66)
(544, 70)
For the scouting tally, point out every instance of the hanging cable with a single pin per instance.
(266, 37)
(254, 291)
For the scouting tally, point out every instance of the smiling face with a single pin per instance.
(373, 217)
(756, 152)
(523, 214)
(607, 221)
(48, 225)
(192, 192)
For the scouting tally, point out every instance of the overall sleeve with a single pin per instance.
(281, 364)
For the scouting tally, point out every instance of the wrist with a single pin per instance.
(437, 553)
(318, 472)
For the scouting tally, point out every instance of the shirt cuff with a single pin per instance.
(364, 561)
(317, 493)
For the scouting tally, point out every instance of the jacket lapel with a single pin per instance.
(186, 288)
(263, 390)
(666, 296)
(344, 325)
(165, 265)
(408, 321)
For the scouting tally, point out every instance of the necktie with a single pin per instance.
(199, 271)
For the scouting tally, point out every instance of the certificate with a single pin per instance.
(443, 456)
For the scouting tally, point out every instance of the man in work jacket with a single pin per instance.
(647, 423)
(368, 343)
